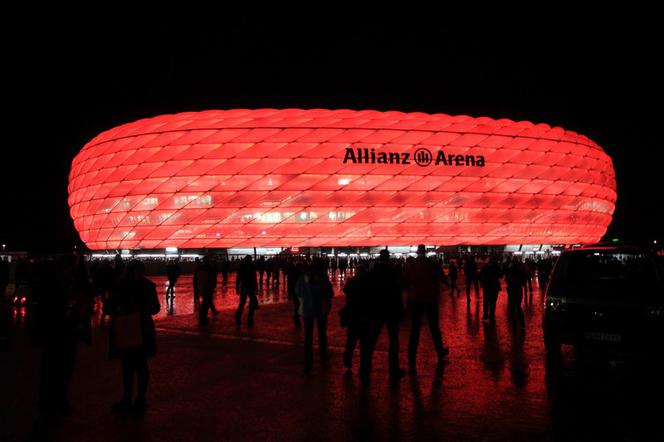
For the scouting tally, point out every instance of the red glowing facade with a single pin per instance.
(292, 177)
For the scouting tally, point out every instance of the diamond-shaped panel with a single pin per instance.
(275, 177)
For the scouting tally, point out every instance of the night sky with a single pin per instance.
(70, 79)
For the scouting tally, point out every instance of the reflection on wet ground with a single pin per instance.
(497, 378)
(224, 297)
(240, 383)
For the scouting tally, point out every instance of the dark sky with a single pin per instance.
(70, 79)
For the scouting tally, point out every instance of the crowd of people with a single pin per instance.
(61, 293)
(374, 295)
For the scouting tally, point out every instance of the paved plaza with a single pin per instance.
(233, 383)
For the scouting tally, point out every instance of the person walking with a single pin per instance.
(470, 272)
(529, 273)
(343, 265)
(490, 280)
(206, 278)
(225, 268)
(172, 273)
(333, 267)
(295, 270)
(315, 293)
(260, 266)
(543, 266)
(246, 287)
(453, 273)
(515, 279)
(385, 282)
(276, 267)
(360, 318)
(132, 337)
(268, 272)
(422, 279)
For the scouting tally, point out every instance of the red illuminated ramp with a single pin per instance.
(293, 177)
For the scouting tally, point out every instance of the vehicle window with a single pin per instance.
(609, 265)
(610, 272)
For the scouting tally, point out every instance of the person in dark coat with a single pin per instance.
(315, 292)
(246, 287)
(260, 266)
(422, 279)
(343, 265)
(490, 280)
(515, 279)
(387, 286)
(206, 279)
(268, 272)
(295, 270)
(529, 271)
(132, 336)
(225, 268)
(172, 273)
(60, 312)
(333, 267)
(453, 273)
(276, 267)
(472, 277)
(361, 320)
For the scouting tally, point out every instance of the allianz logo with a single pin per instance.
(422, 157)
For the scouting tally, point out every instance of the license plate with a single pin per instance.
(602, 337)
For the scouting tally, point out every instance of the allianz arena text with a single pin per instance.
(336, 178)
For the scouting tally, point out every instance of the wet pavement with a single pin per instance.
(233, 383)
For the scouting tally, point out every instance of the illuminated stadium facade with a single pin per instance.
(337, 178)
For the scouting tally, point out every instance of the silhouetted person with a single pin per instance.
(260, 266)
(295, 270)
(275, 272)
(333, 267)
(132, 335)
(268, 272)
(361, 320)
(172, 273)
(422, 279)
(529, 271)
(387, 286)
(453, 274)
(61, 306)
(544, 267)
(194, 282)
(471, 275)
(224, 267)
(246, 287)
(315, 293)
(206, 277)
(515, 280)
(490, 280)
(283, 266)
(343, 265)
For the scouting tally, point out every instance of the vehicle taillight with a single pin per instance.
(655, 311)
(555, 305)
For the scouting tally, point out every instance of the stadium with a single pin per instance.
(337, 180)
